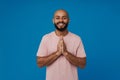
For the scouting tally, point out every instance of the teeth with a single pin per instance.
(61, 24)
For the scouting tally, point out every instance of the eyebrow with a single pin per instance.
(62, 16)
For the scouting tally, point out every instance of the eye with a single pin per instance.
(64, 17)
(57, 18)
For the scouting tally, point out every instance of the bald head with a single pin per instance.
(62, 12)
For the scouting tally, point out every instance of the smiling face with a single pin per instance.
(61, 20)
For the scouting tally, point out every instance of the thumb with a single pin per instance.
(61, 37)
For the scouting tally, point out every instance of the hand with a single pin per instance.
(59, 46)
(64, 50)
(63, 46)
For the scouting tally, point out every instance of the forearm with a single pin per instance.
(77, 61)
(47, 60)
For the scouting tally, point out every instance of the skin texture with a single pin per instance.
(59, 17)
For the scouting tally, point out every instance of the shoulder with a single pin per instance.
(75, 36)
(47, 36)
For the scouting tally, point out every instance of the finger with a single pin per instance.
(62, 49)
(64, 45)
(60, 37)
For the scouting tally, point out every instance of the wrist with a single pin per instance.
(58, 53)
(65, 53)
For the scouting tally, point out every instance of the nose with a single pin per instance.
(61, 20)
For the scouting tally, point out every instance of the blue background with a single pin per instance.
(24, 22)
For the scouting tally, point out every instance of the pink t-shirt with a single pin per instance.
(61, 69)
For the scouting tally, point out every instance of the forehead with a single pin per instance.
(61, 13)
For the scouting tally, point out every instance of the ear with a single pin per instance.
(53, 20)
(69, 20)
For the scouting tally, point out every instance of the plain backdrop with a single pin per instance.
(24, 22)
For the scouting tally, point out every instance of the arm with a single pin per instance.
(77, 61)
(47, 60)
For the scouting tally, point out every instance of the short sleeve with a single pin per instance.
(80, 50)
(42, 50)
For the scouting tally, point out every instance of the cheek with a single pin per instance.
(55, 21)
(66, 21)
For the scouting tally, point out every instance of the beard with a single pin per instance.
(61, 29)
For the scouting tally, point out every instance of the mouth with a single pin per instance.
(61, 24)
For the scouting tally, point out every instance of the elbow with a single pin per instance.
(39, 65)
(82, 66)
(82, 63)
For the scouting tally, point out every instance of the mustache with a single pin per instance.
(61, 22)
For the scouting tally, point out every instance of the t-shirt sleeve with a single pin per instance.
(80, 50)
(42, 50)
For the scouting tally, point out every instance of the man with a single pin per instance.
(61, 51)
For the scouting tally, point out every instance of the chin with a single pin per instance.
(60, 27)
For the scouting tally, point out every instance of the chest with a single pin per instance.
(53, 43)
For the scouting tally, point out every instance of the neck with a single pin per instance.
(61, 33)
